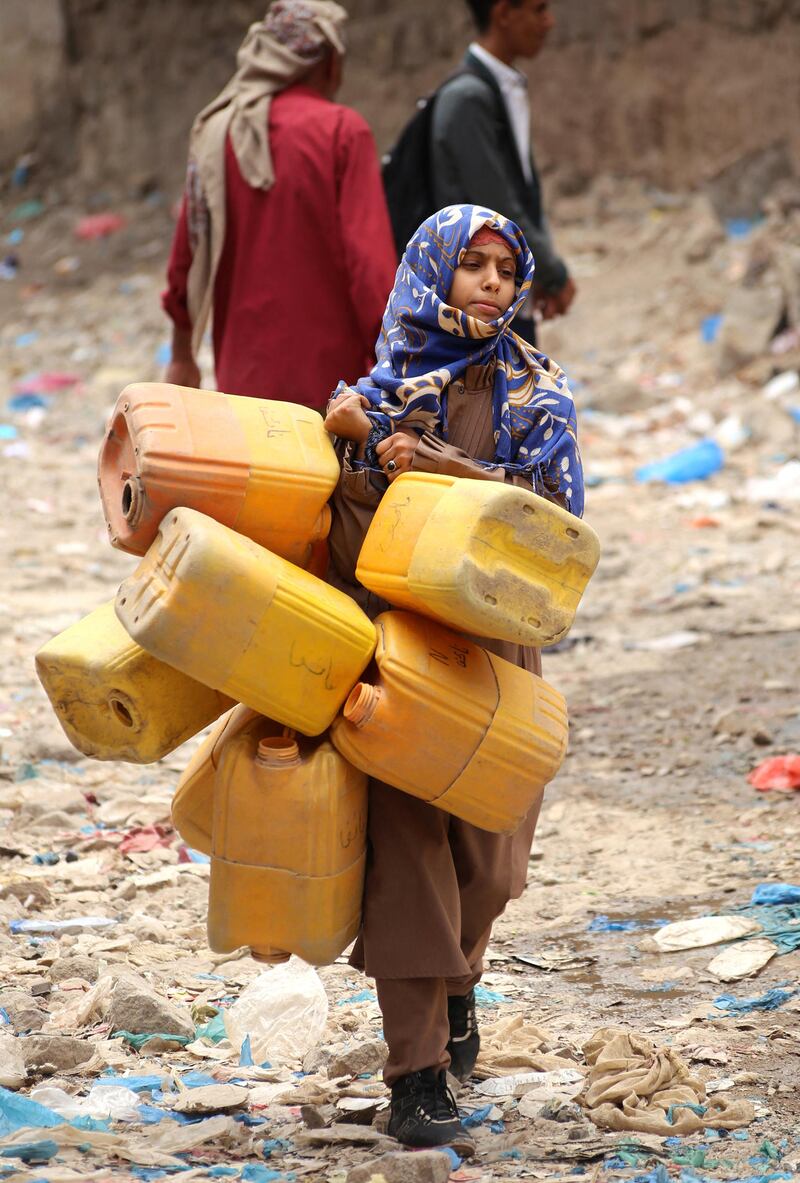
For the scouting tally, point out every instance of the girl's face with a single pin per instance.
(484, 283)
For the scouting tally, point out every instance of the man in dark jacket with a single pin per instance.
(480, 139)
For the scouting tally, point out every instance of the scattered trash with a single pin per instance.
(9, 267)
(559, 1081)
(605, 924)
(78, 924)
(634, 1085)
(782, 385)
(771, 1000)
(779, 772)
(742, 960)
(776, 893)
(703, 930)
(697, 463)
(783, 486)
(103, 1101)
(283, 1012)
(684, 639)
(93, 226)
(710, 327)
(26, 211)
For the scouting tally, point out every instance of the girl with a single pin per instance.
(454, 391)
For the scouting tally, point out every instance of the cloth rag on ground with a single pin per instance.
(633, 1085)
(514, 1045)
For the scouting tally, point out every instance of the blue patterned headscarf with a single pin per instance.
(425, 343)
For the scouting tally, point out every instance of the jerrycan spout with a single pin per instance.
(361, 704)
(277, 751)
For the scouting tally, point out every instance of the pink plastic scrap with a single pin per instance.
(779, 772)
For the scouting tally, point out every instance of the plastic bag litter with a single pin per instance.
(566, 1081)
(776, 893)
(778, 772)
(283, 1011)
(742, 960)
(703, 930)
(103, 1101)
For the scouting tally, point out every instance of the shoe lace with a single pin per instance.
(442, 1104)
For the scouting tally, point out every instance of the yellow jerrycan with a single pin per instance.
(264, 468)
(236, 617)
(288, 852)
(489, 559)
(193, 803)
(116, 702)
(453, 724)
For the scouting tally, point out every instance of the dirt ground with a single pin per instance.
(680, 674)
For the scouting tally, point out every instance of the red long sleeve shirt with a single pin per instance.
(306, 267)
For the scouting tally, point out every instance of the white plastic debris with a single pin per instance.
(703, 930)
(557, 1082)
(283, 1011)
(742, 960)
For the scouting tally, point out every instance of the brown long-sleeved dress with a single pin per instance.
(434, 884)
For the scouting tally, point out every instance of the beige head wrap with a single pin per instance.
(280, 50)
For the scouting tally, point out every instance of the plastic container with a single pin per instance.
(697, 463)
(288, 848)
(454, 725)
(193, 803)
(489, 559)
(234, 616)
(264, 468)
(116, 702)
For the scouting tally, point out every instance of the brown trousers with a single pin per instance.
(434, 887)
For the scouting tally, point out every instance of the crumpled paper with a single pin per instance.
(633, 1085)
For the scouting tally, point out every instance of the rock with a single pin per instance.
(366, 1057)
(136, 1007)
(23, 1012)
(211, 1098)
(48, 1054)
(421, 1166)
(13, 1072)
(31, 894)
(77, 965)
(749, 321)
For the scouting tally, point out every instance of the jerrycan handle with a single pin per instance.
(361, 703)
(277, 752)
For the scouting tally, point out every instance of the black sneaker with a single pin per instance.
(465, 1042)
(424, 1113)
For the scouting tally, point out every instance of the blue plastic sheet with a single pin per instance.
(18, 1113)
(488, 998)
(606, 924)
(696, 463)
(32, 1152)
(779, 922)
(769, 1001)
(246, 1054)
(776, 893)
(477, 1117)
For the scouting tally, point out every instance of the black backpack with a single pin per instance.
(407, 177)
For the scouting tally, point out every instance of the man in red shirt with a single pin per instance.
(283, 236)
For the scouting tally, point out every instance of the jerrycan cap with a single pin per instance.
(361, 703)
(277, 751)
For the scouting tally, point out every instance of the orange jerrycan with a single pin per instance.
(193, 803)
(489, 559)
(288, 852)
(116, 702)
(453, 724)
(264, 468)
(234, 616)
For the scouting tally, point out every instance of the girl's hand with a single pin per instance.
(396, 452)
(346, 418)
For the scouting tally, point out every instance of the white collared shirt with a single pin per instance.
(514, 89)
